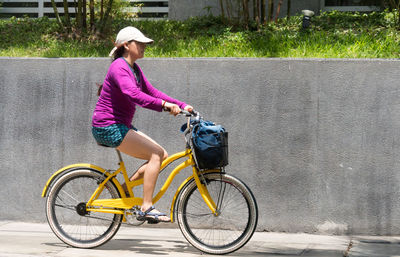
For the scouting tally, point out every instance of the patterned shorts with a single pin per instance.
(112, 135)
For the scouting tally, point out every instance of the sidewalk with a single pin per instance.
(31, 239)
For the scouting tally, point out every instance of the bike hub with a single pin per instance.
(81, 209)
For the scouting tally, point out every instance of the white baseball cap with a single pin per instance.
(127, 34)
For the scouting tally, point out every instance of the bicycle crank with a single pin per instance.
(131, 217)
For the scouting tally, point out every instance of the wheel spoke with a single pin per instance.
(198, 214)
(70, 207)
(70, 196)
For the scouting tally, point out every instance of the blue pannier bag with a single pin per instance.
(210, 143)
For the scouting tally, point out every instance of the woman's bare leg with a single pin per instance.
(136, 176)
(140, 172)
(138, 145)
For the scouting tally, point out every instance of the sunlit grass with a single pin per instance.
(333, 35)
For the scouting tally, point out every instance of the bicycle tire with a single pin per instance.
(232, 228)
(66, 209)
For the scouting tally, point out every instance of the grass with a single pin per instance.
(333, 35)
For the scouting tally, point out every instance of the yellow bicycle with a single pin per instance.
(216, 212)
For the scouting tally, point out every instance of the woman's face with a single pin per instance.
(135, 49)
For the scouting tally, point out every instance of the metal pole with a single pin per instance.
(40, 8)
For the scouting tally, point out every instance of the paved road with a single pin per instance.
(32, 240)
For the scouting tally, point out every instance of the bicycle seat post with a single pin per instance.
(119, 155)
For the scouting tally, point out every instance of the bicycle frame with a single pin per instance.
(109, 205)
(118, 205)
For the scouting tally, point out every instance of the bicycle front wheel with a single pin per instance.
(235, 222)
(66, 209)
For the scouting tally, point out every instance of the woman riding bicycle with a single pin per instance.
(124, 87)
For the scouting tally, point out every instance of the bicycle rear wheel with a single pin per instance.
(226, 232)
(66, 209)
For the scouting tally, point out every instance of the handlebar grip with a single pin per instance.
(185, 112)
(188, 114)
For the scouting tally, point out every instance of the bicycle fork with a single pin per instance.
(205, 194)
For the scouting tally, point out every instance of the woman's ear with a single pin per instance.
(126, 46)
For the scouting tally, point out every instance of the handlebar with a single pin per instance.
(193, 113)
(192, 116)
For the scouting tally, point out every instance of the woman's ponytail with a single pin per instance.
(119, 52)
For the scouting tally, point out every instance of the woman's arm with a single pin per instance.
(122, 77)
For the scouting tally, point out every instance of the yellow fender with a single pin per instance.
(182, 186)
(77, 166)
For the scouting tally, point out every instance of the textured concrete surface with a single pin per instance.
(27, 240)
(19, 239)
(316, 140)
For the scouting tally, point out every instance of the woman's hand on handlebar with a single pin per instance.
(171, 108)
(188, 108)
(174, 109)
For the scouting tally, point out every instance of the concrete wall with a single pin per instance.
(184, 9)
(317, 141)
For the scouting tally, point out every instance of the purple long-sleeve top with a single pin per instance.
(121, 93)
